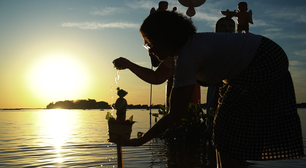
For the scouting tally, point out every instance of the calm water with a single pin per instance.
(78, 138)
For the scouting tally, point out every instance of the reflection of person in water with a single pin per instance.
(121, 105)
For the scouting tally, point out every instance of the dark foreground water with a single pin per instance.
(78, 138)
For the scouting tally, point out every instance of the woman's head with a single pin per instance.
(169, 29)
(225, 25)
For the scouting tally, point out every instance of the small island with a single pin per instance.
(93, 104)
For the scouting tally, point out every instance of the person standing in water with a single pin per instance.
(223, 25)
(256, 118)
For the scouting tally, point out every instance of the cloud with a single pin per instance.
(303, 18)
(273, 30)
(296, 14)
(147, 5)
(297, 63)
(107, 11)
(301, 53)
(260, 23)
(206, 16)
(143, 4)
(296, 36)
(97, 25)
(282, 35)
(298, 76)
(209, 12)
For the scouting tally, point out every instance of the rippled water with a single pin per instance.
(78, 138)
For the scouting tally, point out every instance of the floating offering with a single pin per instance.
(118, 128)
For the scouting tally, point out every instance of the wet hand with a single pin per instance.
(121, 63)
(131, 142)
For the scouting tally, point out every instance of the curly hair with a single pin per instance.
(169, 28)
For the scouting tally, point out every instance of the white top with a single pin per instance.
(214, 57)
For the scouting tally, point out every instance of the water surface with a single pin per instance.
(78, 138)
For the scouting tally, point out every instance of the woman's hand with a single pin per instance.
(121, 63)
(131, 142)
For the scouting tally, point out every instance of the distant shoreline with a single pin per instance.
(300, 105)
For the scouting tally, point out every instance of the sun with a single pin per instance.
(58, 76)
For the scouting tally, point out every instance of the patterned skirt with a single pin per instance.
(257, 118)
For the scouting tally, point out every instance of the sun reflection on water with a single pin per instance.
(57, 125)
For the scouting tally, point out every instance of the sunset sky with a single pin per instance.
(63, 49)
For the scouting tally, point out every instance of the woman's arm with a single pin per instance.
(160, 75)
(180, 99)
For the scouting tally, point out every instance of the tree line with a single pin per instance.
(91, 104)
(301, 105)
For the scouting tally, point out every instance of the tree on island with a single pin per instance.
(79, 104)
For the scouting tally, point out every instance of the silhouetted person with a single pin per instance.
(256, 117)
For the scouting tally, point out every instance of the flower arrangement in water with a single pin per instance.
(118, 128)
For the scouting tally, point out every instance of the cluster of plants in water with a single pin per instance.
(194, 125)
(189, 140)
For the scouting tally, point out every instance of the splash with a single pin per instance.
(117, 78)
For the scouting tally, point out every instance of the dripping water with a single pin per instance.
(114, 90)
